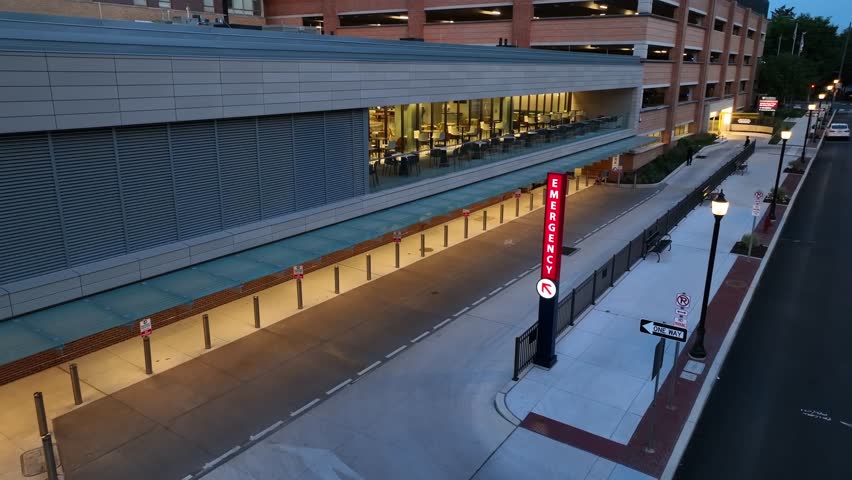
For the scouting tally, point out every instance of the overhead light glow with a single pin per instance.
(492, 12)
(602, 7)
(399, 17)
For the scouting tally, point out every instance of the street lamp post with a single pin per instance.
(832, 91)
(719, 207)
(811, 109)
(820, 117)
(785, 135)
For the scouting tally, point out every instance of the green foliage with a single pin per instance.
(783, 196)
(746, 237)
(784, 72)
(780, 125)
(658, 168)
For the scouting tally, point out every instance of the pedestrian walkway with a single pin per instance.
(592, 413)
(430, 413)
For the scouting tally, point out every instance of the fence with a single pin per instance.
(589, 290)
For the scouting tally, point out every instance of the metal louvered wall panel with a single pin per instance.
(309, 136)
(360, 151)
(277, 173)
(196, 177)
(31, 243)
(338, 156)
(238, 167)
(89, 195)
(71, 198)
(146, 181)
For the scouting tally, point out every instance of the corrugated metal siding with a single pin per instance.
(239, 170)
(146, 182)
(338, 156)
(309, 137)
(89, 193)
(101, 193)
(277, 172)
(196, 177)
(31, 243)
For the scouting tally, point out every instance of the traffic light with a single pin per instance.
(813, 86)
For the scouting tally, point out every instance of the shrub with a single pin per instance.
(783, 197)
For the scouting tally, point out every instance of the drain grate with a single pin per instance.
(33, 464)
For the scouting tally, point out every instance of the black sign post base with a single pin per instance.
(546, 343)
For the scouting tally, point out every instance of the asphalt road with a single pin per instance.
(782, 406)
(171, 424)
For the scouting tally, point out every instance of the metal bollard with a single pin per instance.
(501, 213)
(146, 348)
(369, 268)
(517, 207)
(49, 457)
(587, 180)
(422, 245)
(396, 249)
(75, 384)
(336, 279)
(41, 416)
(256, 301)
(484, 220)
(205, 323)
(446, 236)
(532, 199)
(577, 188)
(544, 195)
(465, 227)
(634, 179)
(299, 303)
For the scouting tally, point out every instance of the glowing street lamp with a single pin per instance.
(785, 135)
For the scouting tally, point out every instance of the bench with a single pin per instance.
(742, 167)
(656, 243)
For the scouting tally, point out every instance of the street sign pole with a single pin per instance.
(551, 260)
(659, 352)
(671, 405)
(755, 212)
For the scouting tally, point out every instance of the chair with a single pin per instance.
(439, 138)
(422, 138)
(545, 119)
(528, 121)
(413, 162)
(485, 128)
(454, 133)
(374, 175)
(499, 127)
(471, 132)
(390, 164)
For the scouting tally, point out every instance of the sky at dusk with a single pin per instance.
(840, 11)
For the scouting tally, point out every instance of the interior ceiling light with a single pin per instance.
(399, 17)
(492, 12)
(447, 21)
(602, 7)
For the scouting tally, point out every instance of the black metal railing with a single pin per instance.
(589, 290)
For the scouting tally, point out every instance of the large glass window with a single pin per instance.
(715, 57)
(750, 34)
(729, 88)
(686, 93)
(690, 55)
(584, 9)
(622, 49)
(695, 18)
(479, 14)
(410, 142)
(373, 19)
(719, 25)
(657, 52)
(244, 7)
(737, 30)
(663, 9)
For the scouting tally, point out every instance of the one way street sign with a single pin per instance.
(662, 330)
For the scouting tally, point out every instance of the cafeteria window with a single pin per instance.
(584, 9)
(624, 49)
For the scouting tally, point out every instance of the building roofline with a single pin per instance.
(72, 35)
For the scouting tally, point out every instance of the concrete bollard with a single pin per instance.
(146, 349)
(336, 279)
(532, 199)
(75, 384)
(369, 268)
(256, 302)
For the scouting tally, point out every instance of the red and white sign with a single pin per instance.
(145, 327)
(466, 212)
(767, 104)
(517, 194)
(682, 300)
(758, 196)
(298, 272)
(546, 288)
(554, 210)
(397, 237)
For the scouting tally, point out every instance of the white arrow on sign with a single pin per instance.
(546, 288)
(662, 330)
(322, 463)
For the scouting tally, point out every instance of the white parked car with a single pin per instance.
(838, 130)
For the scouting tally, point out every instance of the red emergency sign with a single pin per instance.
(551, 253)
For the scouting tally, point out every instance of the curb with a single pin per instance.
(710, 379)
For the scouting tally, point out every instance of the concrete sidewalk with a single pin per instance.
(591, 405)
(430, 413)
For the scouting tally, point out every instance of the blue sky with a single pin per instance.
(838, 10)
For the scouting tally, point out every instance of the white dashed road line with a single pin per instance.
(461, 311)
(420, 337)
(396, 351)
(339, 386)
(217, 460)
(266, 430)
(446, 321)
(494, 292)
(307, 406)
(510, 282)
(374, 365)
(480, 301)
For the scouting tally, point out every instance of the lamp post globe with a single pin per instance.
(719, 208)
